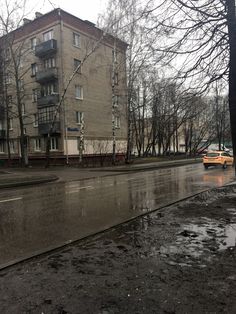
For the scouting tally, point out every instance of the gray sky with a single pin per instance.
(84, 9)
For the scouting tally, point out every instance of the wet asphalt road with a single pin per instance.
(37, 219)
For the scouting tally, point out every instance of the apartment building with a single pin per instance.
(45, 52)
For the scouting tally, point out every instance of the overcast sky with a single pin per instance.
(84, 9)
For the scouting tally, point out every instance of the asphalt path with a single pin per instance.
(38, 219)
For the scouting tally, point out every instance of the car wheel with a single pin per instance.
(206, 167)
(225, 165)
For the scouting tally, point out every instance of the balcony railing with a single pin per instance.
(46, 75)
(44, 128)
(46, 48)
(52, 99)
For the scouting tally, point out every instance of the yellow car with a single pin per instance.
(216, 158)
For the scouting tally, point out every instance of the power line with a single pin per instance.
(52, 4)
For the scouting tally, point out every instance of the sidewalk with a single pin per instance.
(14, 177)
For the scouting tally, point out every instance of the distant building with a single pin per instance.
(94, 108)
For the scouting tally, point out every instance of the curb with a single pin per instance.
(26, 182)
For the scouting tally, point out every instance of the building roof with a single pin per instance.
(57, 15)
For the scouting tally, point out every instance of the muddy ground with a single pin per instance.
(180, 259)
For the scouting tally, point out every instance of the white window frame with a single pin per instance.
(117, 122)
(21, 84)
(34, 95)
(12, 146)
(116, 78)
(33, 43)
(49, 63)
(79, 117)
(34, 69)
(54, 143)
(10, 124)
(77, 62)
(37, 144)
(79, 95)
(2, 147)
(23, 112)
(48, 35)
(76, 40)
(116, 101)
(36, 119)
(8, 78)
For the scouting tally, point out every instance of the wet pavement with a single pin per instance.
(38, 219)
(179, 259)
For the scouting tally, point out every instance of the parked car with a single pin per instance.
(217, 158)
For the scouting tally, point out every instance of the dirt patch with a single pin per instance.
(180, 259)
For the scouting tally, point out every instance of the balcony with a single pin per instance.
(2, 134)
(48, 100)
(44, 128)
(46, 75)
(46, 48)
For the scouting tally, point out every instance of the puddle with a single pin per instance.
(211, 236)
(195, 240)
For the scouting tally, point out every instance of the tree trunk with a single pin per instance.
(231, 20)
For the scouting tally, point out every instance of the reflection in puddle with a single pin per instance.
(211, 236)
(195, 240)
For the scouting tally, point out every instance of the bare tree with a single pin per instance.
(203, 34)
(13, 54)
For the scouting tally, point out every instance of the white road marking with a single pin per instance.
(11, 200)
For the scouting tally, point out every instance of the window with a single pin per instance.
(116, 100)
(49, 89)
(35, 122)
(24, 131)
(7, 54)
(12, 146)
(77, 64)
(34, 69)
(114, 55)
(53, 143)
(33, 43)
(116, 78)
(9, 99)
(76, 39)
(7, 78)
(46, 115)
(2, 147)
(48, 35)
(37, 144)
(23, 109)
(49, 63)
(1, 125)
(21, 63)
(35, 95)
(78, 92)
(21, 84)
(79, 117)
(10, 124)
(117, 122)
